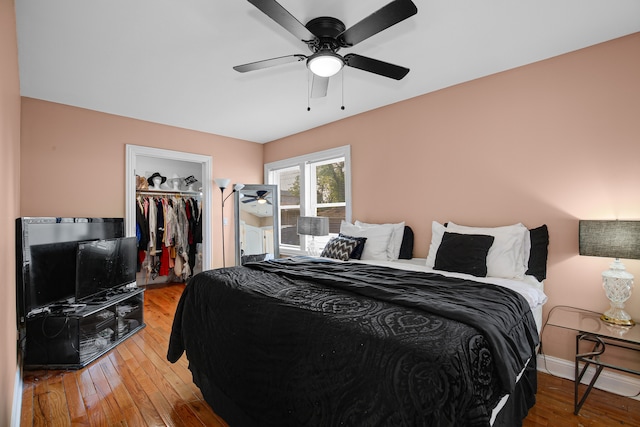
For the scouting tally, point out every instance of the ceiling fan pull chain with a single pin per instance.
(308, 91)
(342, 87)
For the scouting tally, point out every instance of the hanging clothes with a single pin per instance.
(159, 226)
(142, 231)
(169, 229)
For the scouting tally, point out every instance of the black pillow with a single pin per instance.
(406, 249)
(357, 252)
(464, 253)
(539, 252)
(339, 248)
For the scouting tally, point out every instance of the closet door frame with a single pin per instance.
(133, 151)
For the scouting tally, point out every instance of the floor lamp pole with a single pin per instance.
(224, 264)
(222, 183)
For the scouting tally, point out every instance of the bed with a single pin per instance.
(337, 341)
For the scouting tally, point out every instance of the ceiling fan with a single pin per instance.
(260, 197)
(325, 36)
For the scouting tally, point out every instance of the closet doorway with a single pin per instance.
(139, 157)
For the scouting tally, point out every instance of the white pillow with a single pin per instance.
(375, 248)
(506, 257)
(437, 231)
(395, 243)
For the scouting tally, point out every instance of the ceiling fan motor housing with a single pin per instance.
(326, 29)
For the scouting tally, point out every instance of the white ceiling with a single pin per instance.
(170, 61)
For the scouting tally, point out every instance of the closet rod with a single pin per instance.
(168, 193)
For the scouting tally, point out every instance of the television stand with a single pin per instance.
(75, 337)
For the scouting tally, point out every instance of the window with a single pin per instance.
(317, 184)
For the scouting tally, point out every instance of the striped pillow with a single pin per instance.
(339, 248)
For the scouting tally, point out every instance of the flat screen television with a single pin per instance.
(45, 257)
(104, 265)
(52, 273)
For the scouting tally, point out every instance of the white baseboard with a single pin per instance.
(16, 410)
(623, 385)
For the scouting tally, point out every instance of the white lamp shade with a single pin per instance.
(222, 183)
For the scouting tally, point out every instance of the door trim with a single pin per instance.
(133, 151)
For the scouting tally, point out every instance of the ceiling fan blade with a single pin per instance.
(275, 11)
(266, 63)
(319, 86)
(383, 18)
(375, 66)
(249, 200)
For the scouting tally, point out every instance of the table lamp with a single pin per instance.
(613, 239)
(313, 226)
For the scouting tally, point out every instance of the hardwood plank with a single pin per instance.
(160, 367)
(134, 381)
(160, 403)
(180, 413)
(58, 401)
(160, 344)
(77, 410)
(138, 395)
(554, 407)
(103, 390)
(130, 411)
(41, 410)
(92, 403)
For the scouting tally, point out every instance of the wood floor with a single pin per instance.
(135, 385)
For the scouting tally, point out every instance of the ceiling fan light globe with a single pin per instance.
(325, 64)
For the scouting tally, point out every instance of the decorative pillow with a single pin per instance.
(539, 252)
(406, 249)
(393, 250)
(377, 239)
(506, 258)
(437, 231)
(339, 248)
(464, 253)
(357, 252)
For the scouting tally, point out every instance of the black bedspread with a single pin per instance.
(302, 343)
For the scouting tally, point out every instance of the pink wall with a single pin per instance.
(549, 143)
(9, 208)
(73, 162)
(533, 145)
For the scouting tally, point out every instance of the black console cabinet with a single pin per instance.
(71, 338)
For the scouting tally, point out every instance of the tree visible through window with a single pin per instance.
(330, 183)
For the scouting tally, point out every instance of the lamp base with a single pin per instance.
(617, 284)
(618, 322)
(312, 250)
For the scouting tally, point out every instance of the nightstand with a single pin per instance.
(601, 334)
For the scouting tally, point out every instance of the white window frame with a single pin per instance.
(308, 204)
